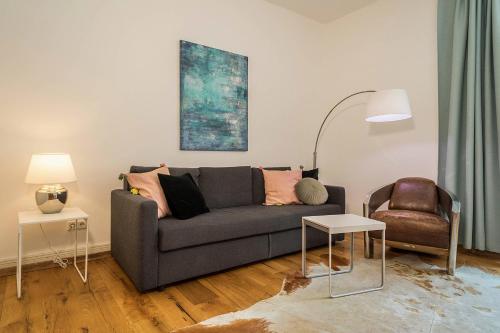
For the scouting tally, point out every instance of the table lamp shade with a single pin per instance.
(388, 105)
(50, 169)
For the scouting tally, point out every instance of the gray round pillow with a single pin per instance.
(311, 192)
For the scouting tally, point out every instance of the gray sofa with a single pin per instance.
(238, 229)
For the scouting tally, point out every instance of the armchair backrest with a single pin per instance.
(414, 193)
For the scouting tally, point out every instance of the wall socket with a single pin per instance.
(80, 225)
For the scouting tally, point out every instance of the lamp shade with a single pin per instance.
(388, 105)
(50, 169)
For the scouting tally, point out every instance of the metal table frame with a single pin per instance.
(76, 216)
(331, 272)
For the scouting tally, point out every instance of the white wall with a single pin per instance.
(389, 44)
(99, 80)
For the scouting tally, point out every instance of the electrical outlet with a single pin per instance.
(82, 225)
(73, 225)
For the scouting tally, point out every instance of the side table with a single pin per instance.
(37, 217)
(339, 224)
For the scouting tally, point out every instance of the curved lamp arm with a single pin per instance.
(327, 116)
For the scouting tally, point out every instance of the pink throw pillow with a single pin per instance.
(149, 187)
(280, 186)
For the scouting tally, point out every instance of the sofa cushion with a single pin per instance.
(235, 222)
(149, 187)
(311, 192)
(414, 227)
(184, 196)
(258, 188)
(280, 187)
(226, 187)
(313, 173)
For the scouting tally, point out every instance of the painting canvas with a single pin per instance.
(214, 99)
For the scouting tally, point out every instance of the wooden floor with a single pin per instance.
(56, 300)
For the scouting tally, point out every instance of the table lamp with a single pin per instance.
(50, 170)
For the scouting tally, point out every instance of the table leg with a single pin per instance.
(304, 249)
(86, 250)
(352, 262)
(330, 270)
(84, 275)
(19, 259)
(383, 260)
(329, 262)
(76, 243)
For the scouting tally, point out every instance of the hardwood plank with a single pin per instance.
(15, 317)
(55, 299)
(46, 306)
(142, 314)
(174, 314)
(49, 264)
(106, 304)
(195, 292)
(3, 283)
(201, 311)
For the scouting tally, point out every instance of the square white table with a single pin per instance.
(339, 224)
(37, 217)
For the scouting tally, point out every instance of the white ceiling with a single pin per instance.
(323, 11)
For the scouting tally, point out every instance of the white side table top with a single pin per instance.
(36, 216)
(344, 223)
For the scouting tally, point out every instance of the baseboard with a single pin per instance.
(45, 256)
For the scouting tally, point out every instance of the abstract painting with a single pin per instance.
(214, 99)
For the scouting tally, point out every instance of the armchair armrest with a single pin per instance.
(336, 195)
(449, 203)
(376, 198)
(134, 234)
(451, 206)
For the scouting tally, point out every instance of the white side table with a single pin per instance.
(37, 217)
(339, 224)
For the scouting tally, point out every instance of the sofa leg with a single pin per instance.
(161, 288)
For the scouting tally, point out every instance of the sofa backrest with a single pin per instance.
(226, 186)
(195, 172)
(223, 186)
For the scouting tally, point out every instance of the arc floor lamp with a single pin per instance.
(383, 106)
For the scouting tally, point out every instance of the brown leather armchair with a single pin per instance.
(421, 217)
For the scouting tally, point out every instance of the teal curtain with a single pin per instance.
(469, 117)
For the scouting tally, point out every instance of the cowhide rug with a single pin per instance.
(417, 297)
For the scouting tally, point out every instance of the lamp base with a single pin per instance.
(51, 199)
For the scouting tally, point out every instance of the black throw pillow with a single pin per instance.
(310, 173)
(183, 196)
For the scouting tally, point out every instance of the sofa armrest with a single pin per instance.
(134, 234)
(336, 195)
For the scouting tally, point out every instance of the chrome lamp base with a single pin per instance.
(51, 199)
